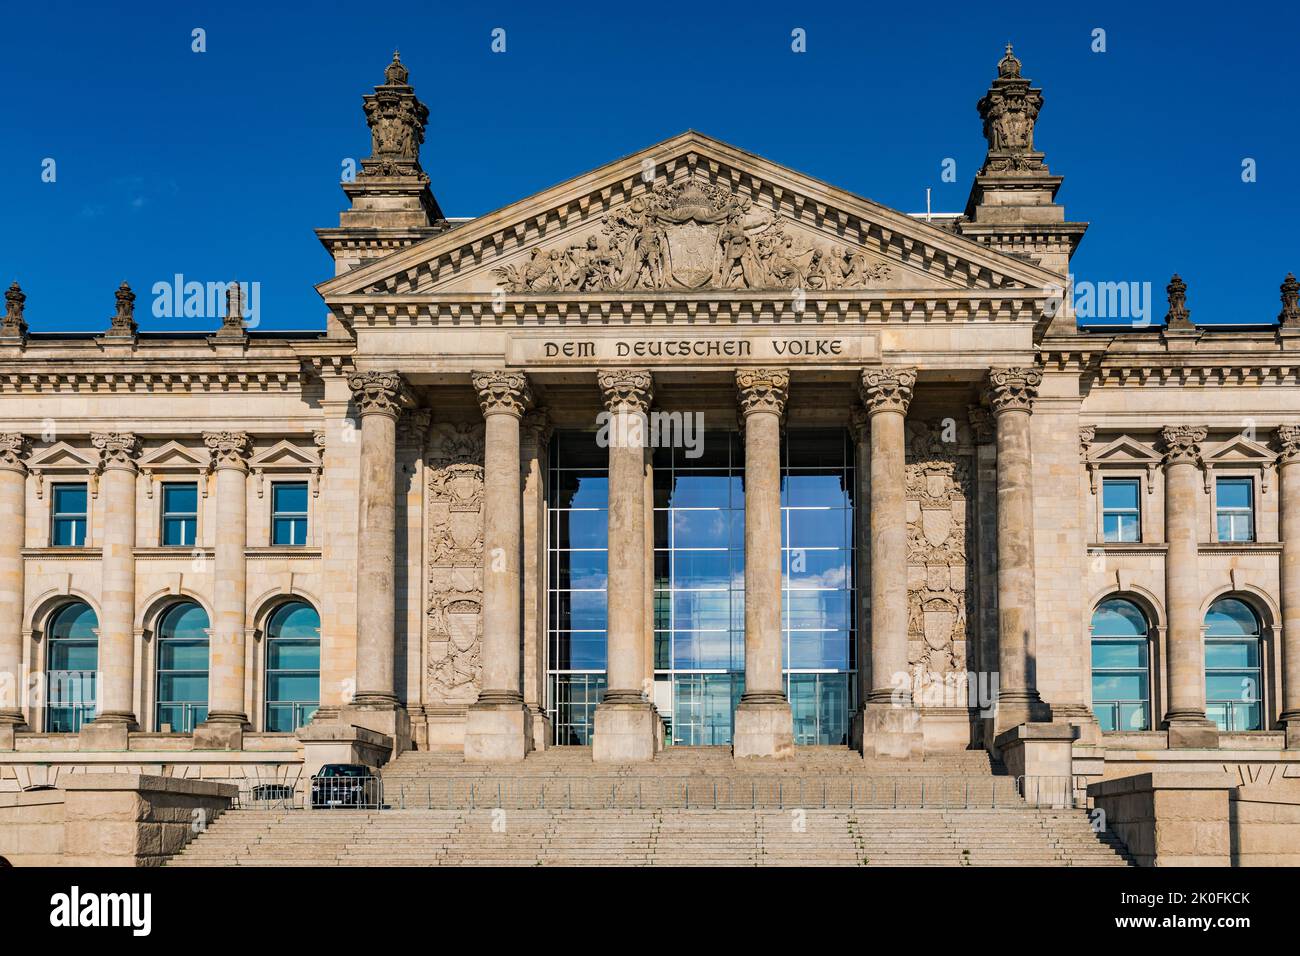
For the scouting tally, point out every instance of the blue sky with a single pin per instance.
(221, 163)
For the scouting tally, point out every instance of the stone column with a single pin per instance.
(891, 724)
(380, 397)
(764, 727)
(627, 726)
(116, 711)
(1288, 439)
(227, 720)
(13, 517)
(1011, 393)
(536, 437)
(1185, 719)
(498, 726)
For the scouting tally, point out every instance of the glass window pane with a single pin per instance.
(1118, 618)
(815, 528)
(1119, 654)
(701, 569)
(290, 497)
(806, 568)
(1238, 686)
(1112, 686)
(701, 529)
(180, 498)
(1120, 494)
(182, 656)
(182, 687)
(1221, 653)
(800, 489)
(1133, 717)
(293, 655)
(1233, 492)
(70, 499)
(1230, 618)
(704, 489)
(73, 656)
(284, 687)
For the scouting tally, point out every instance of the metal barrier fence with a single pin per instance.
(347, 793)
(718, 792)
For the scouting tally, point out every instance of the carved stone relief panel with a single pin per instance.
(453, 617)
(939, 581)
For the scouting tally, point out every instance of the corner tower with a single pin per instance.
(1012, 205)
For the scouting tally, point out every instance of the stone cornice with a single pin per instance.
(34, 375)
(362, 310)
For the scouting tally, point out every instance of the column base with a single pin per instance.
(1292, 731)
(498, 729)
(221, 732)
(626, 732)
(1021, 708)
(382, 714)
(541, 732)
(891, 731)
(1192, 733)
(764, 728)
(11, 721)
(107, 732)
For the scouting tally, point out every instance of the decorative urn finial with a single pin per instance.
(1178, 316)
(1009, 110)
(1290, 314)
(123, 321)
(14, 326)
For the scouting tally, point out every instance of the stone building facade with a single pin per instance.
(690, 449)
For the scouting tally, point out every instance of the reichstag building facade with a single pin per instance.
(691, 449)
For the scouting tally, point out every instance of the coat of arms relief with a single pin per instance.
(939, 582)
(693, 235)
(453, 617)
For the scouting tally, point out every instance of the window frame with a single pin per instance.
(1147, 640)
(56, 516)
(268, 641)
(1137, 482)
(1259, 669)
(1251, 511)
(304, 515)
(164, 515)
(88, 709)
(158, 671)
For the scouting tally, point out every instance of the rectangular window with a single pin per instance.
(68, 529)
(180, 518)
(289, 512)
(1235, 505)
(1121, 511)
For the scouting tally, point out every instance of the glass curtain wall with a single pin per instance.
(699, 580)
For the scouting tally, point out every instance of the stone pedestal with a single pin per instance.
(763, 729)
(106, 734)
(380, 717)
(1043, 755)
(1168, 818)
(891, 731)
(626, 732)
(340, 742)
(220, 735)
(497, 731)
(764, 726)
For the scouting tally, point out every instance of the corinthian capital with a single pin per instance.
(379, 393)
(1182, 443)
(13, 450)
(630, 390)
(1288, 441)
(227, 449)
(116, 449)
(887, 389)
(503, 393)
(762, 389)
(1013, 389)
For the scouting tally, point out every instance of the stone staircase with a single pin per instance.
(689, 807)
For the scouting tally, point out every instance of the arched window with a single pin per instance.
(292, 667)
(1232, 670)
(1121, 674)
(182, 666)
(71, 662)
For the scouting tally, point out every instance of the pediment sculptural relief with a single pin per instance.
(693, 235)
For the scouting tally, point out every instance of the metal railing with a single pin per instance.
(749, 792)
(347, 793)
(1064, 792)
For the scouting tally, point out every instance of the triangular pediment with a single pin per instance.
(1124, 450)
(61, 455)
(284, 454)
(173, 455)
(1239, 448)
(689, 215)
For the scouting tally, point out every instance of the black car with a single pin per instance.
(344, 785)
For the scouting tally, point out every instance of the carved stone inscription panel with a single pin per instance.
(453, 617)
(939, 582)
